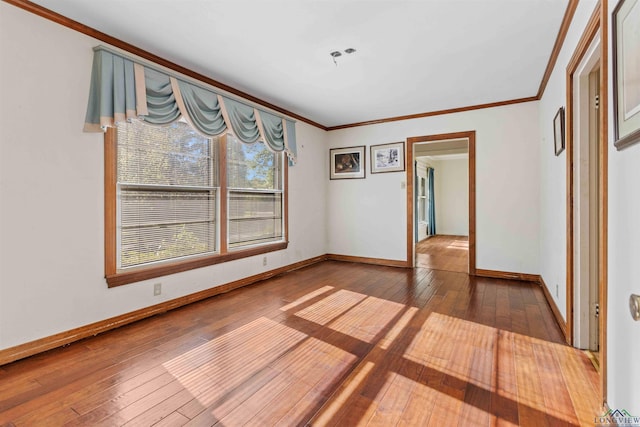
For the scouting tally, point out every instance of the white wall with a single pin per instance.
(452, 197)
(623, 345)
(507, 189)
(624, 272)
(552, 172)
(51, 193)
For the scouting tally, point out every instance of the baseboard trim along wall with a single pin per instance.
(63, 338)
(494, 274)
(554, 308)
(363, 260)
(536, 278)
(58, 340)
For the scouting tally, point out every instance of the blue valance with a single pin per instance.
(161, 100)
(203, 109)
(122, 89)
(274, 131)
(243, 121)
(112, 96)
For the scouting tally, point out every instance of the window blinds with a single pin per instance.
(167, 185)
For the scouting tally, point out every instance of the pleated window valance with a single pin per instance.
(122, 89)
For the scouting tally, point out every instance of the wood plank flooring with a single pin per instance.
(333, 344)
(449, 253)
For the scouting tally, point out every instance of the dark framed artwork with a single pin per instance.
(558, 131)
(347, 163)
(387, 157)
(625, 22)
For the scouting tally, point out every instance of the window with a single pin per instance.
(167, 183)
(173, 204)
(422, 199)
(254, 194)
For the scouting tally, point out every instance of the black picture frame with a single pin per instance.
(387, 157)
(347, 163)
(558, 131)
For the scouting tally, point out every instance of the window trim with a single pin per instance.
(115, 277)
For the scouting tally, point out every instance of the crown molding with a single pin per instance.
(91, 32)
(106, 38)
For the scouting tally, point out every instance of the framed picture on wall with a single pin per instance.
(558, 131)
(387, 157)
(347, 163)
(626, 72)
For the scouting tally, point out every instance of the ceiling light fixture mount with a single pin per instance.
(336, 54)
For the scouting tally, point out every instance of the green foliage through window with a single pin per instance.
(167, 179)
(168, 193)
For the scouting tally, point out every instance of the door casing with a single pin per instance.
(410, 173)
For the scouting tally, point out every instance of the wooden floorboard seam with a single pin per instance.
(332, 344)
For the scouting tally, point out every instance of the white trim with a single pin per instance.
(581, 263)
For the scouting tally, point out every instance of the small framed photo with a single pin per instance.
(347, 163)
(387, 157)
(625, 25)
(558, 131)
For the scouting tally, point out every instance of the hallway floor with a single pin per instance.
(439, 252)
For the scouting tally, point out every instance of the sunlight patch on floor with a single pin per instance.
(212, 369)
(449, 366)
(397, 327)
(331, 307)
(365, 320)
(461, 358)
(307, 297)
(459, 245)
(344, 394)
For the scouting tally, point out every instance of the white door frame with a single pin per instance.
(581, 163)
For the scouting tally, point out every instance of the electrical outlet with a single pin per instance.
(557, 291)
(264, 260)
(157, 289)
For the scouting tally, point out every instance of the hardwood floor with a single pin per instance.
(449, 253)
(332, 344)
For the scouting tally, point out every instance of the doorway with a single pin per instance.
(589, 56)
(430, 149)
(587, 201)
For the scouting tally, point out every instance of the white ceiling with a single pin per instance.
(412, 56)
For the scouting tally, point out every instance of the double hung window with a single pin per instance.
(177, 200)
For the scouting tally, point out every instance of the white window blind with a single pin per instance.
(255, 194)
(167, 184)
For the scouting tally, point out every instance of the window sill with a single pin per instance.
(145, 273)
